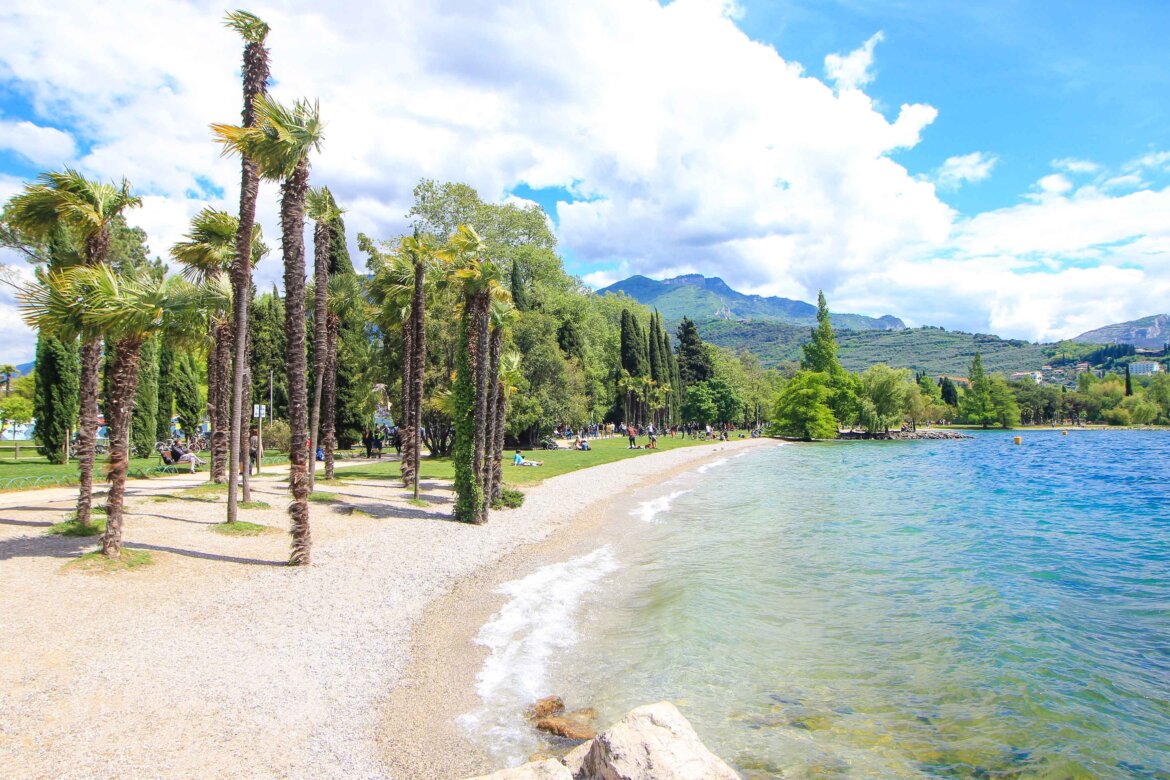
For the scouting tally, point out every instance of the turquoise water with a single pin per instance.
(933, 609)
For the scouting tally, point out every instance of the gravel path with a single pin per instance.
(219, 661)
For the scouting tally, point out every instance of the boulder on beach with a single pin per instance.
(654, 742)
(549, 769)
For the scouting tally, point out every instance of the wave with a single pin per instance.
(713, 464)
(537, 623)
(647, 511)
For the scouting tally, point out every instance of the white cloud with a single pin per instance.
(687, 145)
(853, 70)
(973, 167)
(1073, 165)
(46, 146)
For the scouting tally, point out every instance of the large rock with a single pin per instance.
(568, 726)
(549, 705)
(654, 742)
(549, 769)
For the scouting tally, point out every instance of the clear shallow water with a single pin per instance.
(933, 609)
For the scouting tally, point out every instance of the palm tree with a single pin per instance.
(9, 371)
(345, 294)
(323, 210)
(206, 253)
(127, 311)
(255, 81)
(480, 278)
(66, 200)
(628, 385)
(280, 144)
(421, 251)
(508, 381)
(502, 315)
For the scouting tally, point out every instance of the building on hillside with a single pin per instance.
(1144, 368)
(1082, 368)
(1035, 376)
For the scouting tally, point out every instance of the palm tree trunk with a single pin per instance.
(406, 419)
(246, 436)
(122, 391)
(480, 311)
(255, 77)
(330, 411)
(496, 345)
(418, 371)
(320, 358)
(292, 223)
(498, 444)
(221, 429)
(91, 358)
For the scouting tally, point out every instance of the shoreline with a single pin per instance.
(418, 734)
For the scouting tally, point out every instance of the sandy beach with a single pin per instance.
(219, 661)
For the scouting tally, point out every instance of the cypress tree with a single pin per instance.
(820, 353)
(694, 363)
(266, 338)
(55, 394)
(144, 422)
(657, 370)
(630, 343)
(165, 405)
(1128, 384)
(188, 405)
(351, 391)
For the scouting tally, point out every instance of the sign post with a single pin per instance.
(258, 411)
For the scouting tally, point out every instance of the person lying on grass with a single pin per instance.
(519, 460)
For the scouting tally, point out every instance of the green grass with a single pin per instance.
(241, 528)
(510, 498)
(322, 497)
(254, 505)
(71, 527)
(556, 462)
(353, 510)
(96, 563)
(33, 466)
(418, 502)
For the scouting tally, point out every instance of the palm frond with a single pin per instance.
(250, 27)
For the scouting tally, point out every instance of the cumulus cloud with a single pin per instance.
(955, 171)
(853, 70)
(686, 145)
(39, 145)
(1073, 165)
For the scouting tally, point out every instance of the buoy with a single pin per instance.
(1019, 440)
(1064, 433)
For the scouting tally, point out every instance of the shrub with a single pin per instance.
(510, 498)
(277, 436)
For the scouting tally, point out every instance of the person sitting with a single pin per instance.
(582, 445)
(519, 460)
(181, 455)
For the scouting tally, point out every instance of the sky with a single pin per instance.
(998, 167)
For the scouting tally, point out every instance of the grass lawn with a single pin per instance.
(556, 462)
(36, 471)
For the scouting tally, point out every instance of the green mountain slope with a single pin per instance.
(933, 350)
(709, 298)
(1151, 332)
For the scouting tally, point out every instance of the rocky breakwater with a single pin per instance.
(923, 435)
(654, 742)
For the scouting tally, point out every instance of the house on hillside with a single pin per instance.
(1144, 368)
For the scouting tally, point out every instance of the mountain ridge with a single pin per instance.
(703, 298)
(1152, 332)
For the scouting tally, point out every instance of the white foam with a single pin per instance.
(648, 511)
(537, 621)
(703, 469)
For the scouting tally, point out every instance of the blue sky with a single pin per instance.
(994, 166)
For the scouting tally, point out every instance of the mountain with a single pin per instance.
(933, 350)
(1151, 332)
(705, 298)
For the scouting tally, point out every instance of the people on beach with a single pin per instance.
(519, 460)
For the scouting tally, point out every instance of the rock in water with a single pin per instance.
(654, 742)
(549, 705)
(574, 760)
(568, 727)
(549, 769)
